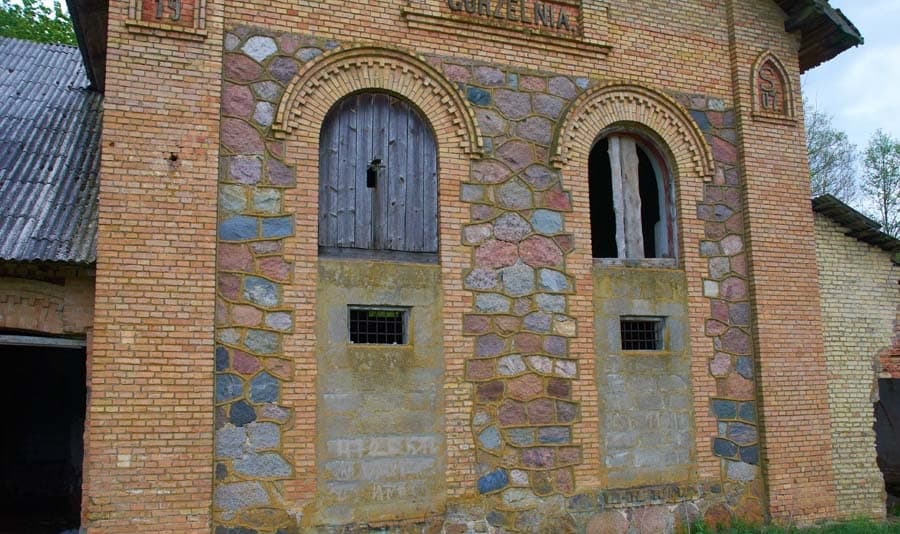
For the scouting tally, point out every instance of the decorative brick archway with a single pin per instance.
(343, 71)
(605, 105)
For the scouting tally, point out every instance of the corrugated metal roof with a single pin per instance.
(858, 225)
(49, 154)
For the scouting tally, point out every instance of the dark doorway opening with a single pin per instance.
(42, 447)
(887, 436)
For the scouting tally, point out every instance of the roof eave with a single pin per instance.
(89, 19)
(825, 31)
(858, 225)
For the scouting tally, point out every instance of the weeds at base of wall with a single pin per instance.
(856, 526)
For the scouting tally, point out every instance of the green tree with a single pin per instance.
(34, 21)
(832, 157)
(881, 180)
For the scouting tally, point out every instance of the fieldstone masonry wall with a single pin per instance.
(726, 287)
(251, 316)
(522, 371)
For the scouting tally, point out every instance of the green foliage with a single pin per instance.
(832, 157)
(856, 526)
(881, 180)
(33, 21)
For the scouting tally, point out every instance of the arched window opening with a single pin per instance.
(377, 177)
(630, 196)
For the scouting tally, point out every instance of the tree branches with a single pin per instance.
(34, 21)
(881, 179)
(832, 157)
(834, 168)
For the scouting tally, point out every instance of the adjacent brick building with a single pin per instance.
(858, 279)
(49, 161)
(527, 266)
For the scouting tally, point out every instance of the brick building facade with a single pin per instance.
(858, 278)
(529, 266)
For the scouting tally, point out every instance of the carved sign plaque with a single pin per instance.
(547, 17)
(770, 89)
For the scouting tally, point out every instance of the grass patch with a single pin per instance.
(857, 526)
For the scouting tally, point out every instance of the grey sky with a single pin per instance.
(861, 87)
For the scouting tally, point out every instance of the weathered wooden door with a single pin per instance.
(377, 176)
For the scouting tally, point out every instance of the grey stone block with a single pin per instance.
(518, 280)
(492, 303)
(230, 441)
(259, 47)
(261, 291)
(741, 472)
(264, 388)
(240, 495)
(263, 436)
(267, 465)
(228, 387)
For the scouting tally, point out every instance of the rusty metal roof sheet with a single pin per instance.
(49, 154)
(858, 225)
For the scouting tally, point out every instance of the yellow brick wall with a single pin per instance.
(149, 444)
(860, 298)
(784, 290)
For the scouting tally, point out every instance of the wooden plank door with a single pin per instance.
(376, 130)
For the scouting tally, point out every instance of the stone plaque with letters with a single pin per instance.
(546, 17)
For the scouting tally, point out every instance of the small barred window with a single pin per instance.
(642, 333)
(379, 326)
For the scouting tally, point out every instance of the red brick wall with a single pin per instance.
(149, 440)
(784, 283)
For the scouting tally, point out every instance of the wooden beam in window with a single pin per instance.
(615, 166)
(631, 192)
(624, 170)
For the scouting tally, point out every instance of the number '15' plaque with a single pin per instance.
(173, 12)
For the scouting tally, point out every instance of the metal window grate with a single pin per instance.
(641, 334)
(381, 326)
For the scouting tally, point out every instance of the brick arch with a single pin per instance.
(603, 106)
(31, 305)
(335, 74)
